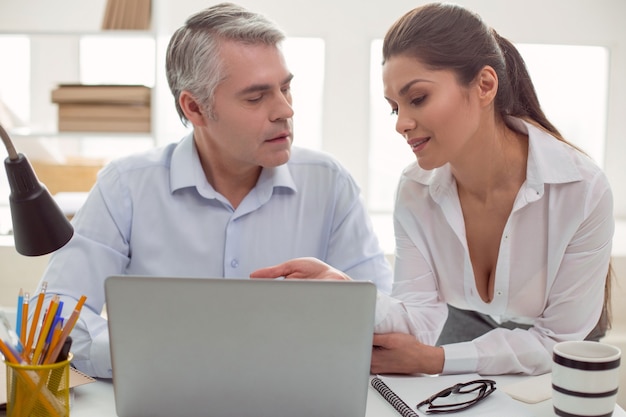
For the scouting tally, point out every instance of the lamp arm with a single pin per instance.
(8, 144)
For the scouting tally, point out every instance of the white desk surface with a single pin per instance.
(96, 400)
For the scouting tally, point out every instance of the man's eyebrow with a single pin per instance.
(255, 88)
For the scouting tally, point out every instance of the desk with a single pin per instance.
(96, 400)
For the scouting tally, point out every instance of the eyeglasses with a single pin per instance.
(471, 393)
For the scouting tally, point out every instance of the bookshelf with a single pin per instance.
(67, 157)
(55, 59)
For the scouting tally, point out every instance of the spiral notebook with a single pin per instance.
(239, 347)
(405, 392)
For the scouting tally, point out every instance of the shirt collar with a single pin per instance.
(549, 162)
(187, 171)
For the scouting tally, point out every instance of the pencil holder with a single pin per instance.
(38, 390)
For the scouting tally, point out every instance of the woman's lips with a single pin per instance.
(418, 143)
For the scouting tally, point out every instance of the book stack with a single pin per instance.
(127, 15)
(103, 108)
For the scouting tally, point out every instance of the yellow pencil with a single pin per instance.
(43, 334)
(33, 324)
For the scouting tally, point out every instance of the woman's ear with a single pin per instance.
(487, 84)
(192, 109)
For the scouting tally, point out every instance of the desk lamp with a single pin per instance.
(39, 225)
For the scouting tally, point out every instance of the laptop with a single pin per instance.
(239, 347)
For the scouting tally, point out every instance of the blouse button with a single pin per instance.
(234, 263)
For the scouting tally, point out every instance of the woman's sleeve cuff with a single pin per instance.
(460, 358)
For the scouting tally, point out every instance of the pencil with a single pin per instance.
(43, 334)
(33, 324)
(58, 328)
(69, 325)
(8, 354)
(54, 329)
(24, 321)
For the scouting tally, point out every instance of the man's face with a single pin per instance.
(251, 123)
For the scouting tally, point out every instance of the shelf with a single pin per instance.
(30, 133)
(98, 32)
(60, 53)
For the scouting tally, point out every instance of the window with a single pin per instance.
(14, 81)
(305, 59)
(14, 104)
(117, 60)
(572, 86)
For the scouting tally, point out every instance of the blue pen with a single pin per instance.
(20, 306)
(59, 309)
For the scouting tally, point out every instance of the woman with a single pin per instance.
(499, 217)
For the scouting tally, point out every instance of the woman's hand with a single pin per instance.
(401, 353)
(301, 268)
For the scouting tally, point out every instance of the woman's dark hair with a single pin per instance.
(447, 36)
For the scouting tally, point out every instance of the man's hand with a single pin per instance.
(301, 268)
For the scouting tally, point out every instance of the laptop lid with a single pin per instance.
(239, 347)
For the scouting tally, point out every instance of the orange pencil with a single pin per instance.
(33, 324)
(43, 334)
(57, 332)
(24, 323)
(8, 354)
(69, 325)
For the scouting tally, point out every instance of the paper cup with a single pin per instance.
(585, 378)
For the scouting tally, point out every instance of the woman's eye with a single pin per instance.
(418, 100)
(394, 112)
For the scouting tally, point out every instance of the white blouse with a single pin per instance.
(551, 268)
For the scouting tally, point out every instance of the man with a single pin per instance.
(230, 198)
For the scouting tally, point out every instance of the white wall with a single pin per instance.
(348, 26)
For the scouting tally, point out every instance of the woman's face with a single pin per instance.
(436, 115)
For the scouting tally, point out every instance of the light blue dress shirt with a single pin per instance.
(156, 214)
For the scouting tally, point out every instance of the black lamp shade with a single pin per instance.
(39, 225)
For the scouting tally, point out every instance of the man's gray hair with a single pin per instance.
(193, 61)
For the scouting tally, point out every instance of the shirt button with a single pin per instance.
(234, 263)
(498, 292)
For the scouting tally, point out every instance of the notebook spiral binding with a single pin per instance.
(393, 399)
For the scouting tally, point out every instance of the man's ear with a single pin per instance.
(191, 107)
(487, 84)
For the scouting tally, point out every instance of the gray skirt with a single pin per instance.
(466, 325)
